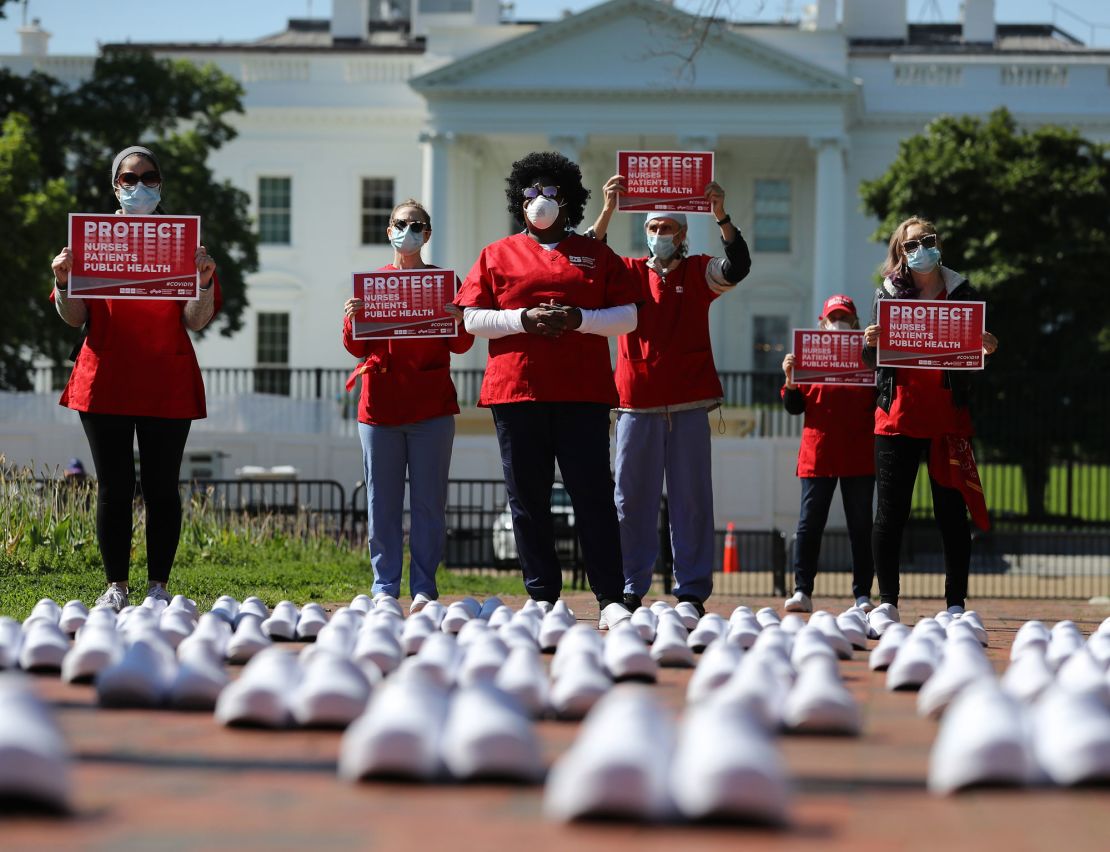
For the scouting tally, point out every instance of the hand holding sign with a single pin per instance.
(715, 195)
(206, 266)
(62, 265)
(613, 189)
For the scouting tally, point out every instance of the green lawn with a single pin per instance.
(1004, 485)
(48, 549)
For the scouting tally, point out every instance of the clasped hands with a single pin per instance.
(551, 319)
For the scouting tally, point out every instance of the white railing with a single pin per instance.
(377, 70)
(265, 69)
(1030, 76)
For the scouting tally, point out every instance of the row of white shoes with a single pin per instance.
(34, 757)
(630, 761)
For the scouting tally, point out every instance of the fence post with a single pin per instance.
(778, 562)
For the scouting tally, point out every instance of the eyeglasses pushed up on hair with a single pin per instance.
(151, 178)
(927, 241)
(417, 227)
(531, 192)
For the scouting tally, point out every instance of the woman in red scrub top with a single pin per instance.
(136, 374)
(547, 299)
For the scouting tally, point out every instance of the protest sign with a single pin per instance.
(404, 303)
(830, 358)
(931, 334)
(665, 180)
(133, 257)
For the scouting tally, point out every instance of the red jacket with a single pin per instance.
(406, 381)
(838, 436)
(517, 272)
(138, 360)
(667, 359)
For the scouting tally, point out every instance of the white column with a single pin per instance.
(829, 257)
(436, 152)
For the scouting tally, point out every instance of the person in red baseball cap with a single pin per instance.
(837, 446)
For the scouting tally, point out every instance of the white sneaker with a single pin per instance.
(43, 648)
(880, 618)
(282, 623)
(709, 628)
(716, 666)
(865, 604)
(670, 647)
(98, 647)
(883, 654)
(157, 592)
(73, 616)
(798, 602)
(915, 662)
(688, 613)
(580, 639)
(488, 736)
(260, 697)
(963, 664)
(613, 615)
(626, 656)
(523, 677)
(419, 601)
(582, 684)
(457, 615)
(142, 677)
(200, 679)
(332, 693)
(826, 623)
(247, 640)
(483, 660)
(114, 596)
(312, 621)
(955, 611)
(378, 644)
(11, 639)
(820, 703)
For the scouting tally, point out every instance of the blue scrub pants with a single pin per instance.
(675, 446)
(424, 449)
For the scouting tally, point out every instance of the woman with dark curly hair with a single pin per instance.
(547, 299)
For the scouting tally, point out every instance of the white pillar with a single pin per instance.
(829, 257)
(436, 147)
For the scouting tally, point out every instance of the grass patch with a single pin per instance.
(49, 549)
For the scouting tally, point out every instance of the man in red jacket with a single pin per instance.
(837, 445)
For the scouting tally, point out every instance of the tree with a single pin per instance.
(1025, 214)
(179, 110)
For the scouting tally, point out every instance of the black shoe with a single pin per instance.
(698, 605)
(632, 602)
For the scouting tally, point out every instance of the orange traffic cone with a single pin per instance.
(730, 564)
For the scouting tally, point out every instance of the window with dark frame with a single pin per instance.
(771, 225)
(275, 210)
(377, 204)
(272, 354)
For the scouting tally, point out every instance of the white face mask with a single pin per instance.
(407, 241)
(542, 212)
(838, 325)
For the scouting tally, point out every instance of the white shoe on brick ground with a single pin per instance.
(522, 676)
(580, 686)
(612, 615)
(332, 693)
(798, 602)
(1071, 737)
(142, 677)
(260, 697)
(819, 703)
(489, 735)
(34, 758)
(98, 647)
(717, 664)
(248, 639)
(626, 655)
(43, 648)
(880, 618)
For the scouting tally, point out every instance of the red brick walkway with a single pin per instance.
(164, 780)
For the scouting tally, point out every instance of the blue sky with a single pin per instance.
(78, 25)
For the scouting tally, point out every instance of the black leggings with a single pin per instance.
(897, 459)
(161, 445)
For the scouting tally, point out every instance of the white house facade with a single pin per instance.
(434, 99)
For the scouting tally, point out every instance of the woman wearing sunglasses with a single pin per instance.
(917, 414)
(406, 421)
(668, 384)
(136, 374)
(547, 299)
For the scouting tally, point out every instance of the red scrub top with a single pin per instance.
(667, 359)
(837, 437)
(406, 380)
(517, 272)
(138, 360)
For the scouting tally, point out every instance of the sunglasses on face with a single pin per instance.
(416, 227)
(535, 191)
(927, 241)
(151, 178)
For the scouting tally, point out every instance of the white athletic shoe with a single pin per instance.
(282, 623)
(457, 615)
(580, 639)
(865, 604)
(488, 735)
(612, 615)
(419, 601)
(114, 596)
(416, 631)
(883, 654)
(688, 613)
(798, 602)
(1027, 677)
(743, 629)
(226, 607)
(880, 618)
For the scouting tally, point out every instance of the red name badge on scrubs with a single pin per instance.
(665, 180)
(830, 358)
(404, 303)
(931, 335)
(133, 257)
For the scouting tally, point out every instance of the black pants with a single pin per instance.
(856, 492)
(161, 445)
(532, 437)
(897, 459)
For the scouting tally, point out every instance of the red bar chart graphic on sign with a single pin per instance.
(133, 257)
(931, 335)
(830, 358)
(404, 303)
(672, 181)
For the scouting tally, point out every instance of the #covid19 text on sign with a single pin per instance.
(404, 303)
(133, 257)
(665, 180)
(931, 334)
(830, 358)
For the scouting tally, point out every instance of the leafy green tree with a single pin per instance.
(178, 109)
(1025, 214)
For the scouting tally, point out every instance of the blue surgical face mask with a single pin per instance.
(923, 259)
(139, 200)
(406, 241)
(662, 246)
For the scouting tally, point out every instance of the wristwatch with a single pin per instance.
(725, 221)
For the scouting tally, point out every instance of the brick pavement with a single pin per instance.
(169, 780)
